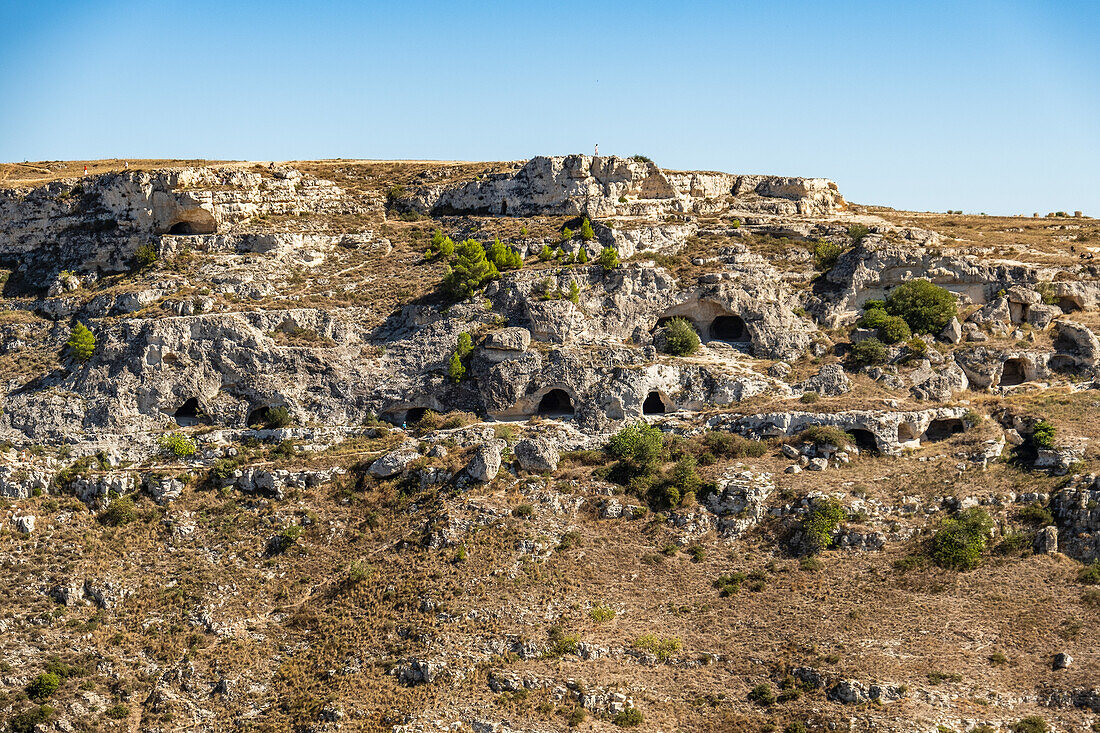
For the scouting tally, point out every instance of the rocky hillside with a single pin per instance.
(566, 444)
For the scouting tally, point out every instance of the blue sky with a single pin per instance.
(981, 106)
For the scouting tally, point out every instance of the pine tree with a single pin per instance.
(582, 256)
(81, 343)
(574, 291)
(586, 231)
(455, 370)
(465, 345)
(546, 253)
(470, 271)
(609, 258)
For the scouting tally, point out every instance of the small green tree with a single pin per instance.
(177, 444)
(81, 343)
(441, 246)
(893, 330)
(43, 686)
(825, 255)
(566, 234)
(470, 271)
(680, 337)
(586, 230)
(546, 254)
(504, 257)
(574, 292)
(959, 542)
(609, 258)
(145, 256)
(867, 353)
(582, 256)
(277, 416)
(1042, 435)
(640, 446)
(858, 232)
(927, 308)
(817, 528)
(455, 370)
(464, 345)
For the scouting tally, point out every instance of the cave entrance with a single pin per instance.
(728, 328)
(191, 413)
(414, 415)
(1063, 364)
(944, 428)
(556, 403)
(258, 417)
(183, 227)
(906, 432)
(653, 404)
(1012, 373)
(865, 440)
(503, 208)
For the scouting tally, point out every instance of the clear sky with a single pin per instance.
(983, 106)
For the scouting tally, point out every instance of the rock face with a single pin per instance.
(537, 455)
(607, 186)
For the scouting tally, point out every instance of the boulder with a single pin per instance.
(938, 386)
(23, 523)
(537, 455)
(952, 333)
(829, 381)
(485, 464)
(1046, 541)
(394, 462)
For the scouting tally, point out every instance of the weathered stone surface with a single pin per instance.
(394, 462)
(537, 454)
(485, 464)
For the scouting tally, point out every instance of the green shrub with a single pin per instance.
(119, 512)
(1090, 574)
(582, 256)
(288, 536)
(873, 317)
(824, 517)
(117, 712)
(809, 398)
(729, 585)
(587, 234)
(566, 234)
(276, 417)
(601, 613)
(464, 344)
(959, 542)
(609, 258)
(1035, 514)
(546, 254)
(893, 330)
(762, 694)
(663, 649)
(285, 449)
(629, 718)
(1042, 435)
(470, 271)
(683, 481)
(927, 308)
(640, 445)
(867, 352)
(524, 511)
(917, 347)
(577, 716)
(641, 158)
(177, 444)
(441, 246)
(81, 343)
(796, 727)
(825, 255)
(730, 445)
(1031, 724)
(504, 257)
(43, 686)
(680, 337)
(29, 720)
(858, 232)
(821, 435)
(574, 295)
(145, 256)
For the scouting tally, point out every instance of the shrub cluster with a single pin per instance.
(925, 307)
(889, 329)
(504, 257)
(609, 258)
(1042, 436)
(469, 271)
(959, 542)
(825, 255)
(177, 444)
(820, 523)
(867, 352)
(680, 338)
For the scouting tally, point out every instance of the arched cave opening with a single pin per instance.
(944, 428)
(1069, 304)
(1063, 364)
(191, 413)
(653, 404)
(1012, 373)
(865, 440)
(415, 414)
(906, 432)
(182, 227)
(728, 328)
(556, 402)
(258, 417)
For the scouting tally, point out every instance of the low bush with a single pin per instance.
(821, 435)
(858, 232)
(586, 230)
(601, 613)
(119, 512)
(927, 308)
(640, 447)
(31, 720)
(1030, 724)
(1042, 436)
(894, 330)
(762, 694)
(959, 542)
(628, 718)
(682, 482)
(1035, 514)
(566, 234)
(117, 712)
(43, 686)
(524, 511)
(663, 649)
(177, 444)
(820, 523)
(1090, 574)
(729, 585)
(825, 255)
(680, 337)
(276, 417)
(731, 445)
(867, 352)
(145, 256)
